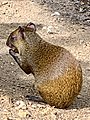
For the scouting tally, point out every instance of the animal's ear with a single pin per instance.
(21, 30)
(31, 26)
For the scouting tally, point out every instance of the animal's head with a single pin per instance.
(16, 38)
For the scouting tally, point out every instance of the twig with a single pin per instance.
(3, 4)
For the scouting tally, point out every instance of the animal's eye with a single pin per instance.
(14, 38)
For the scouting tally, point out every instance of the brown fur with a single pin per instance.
(58, 74)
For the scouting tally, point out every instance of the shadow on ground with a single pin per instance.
(70, 10)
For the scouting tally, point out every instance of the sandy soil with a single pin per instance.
(61, 22)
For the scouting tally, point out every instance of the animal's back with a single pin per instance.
(59, 76)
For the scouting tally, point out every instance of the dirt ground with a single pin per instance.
(61, 22)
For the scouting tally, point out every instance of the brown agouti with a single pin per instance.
(58, 74)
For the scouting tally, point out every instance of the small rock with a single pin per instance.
(1, 59)
(1, 66)
(22, 113)
(55, 14)
(34, 106)
(28, 115)
(12, 63)
(20, 105)
(88, 69)
(44, 28)
(41, 106)
(10, 118)
(22, 86)
(4, 13)
(8, 5)
(74, 110)
(62, 19)
(81, 41)
(12, 71)
(81, 9)
(82, 2)
(79, 96)
(50, 30)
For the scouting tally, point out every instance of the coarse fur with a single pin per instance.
(58, 74)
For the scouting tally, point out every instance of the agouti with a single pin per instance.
(58, 74)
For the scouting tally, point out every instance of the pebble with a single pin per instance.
(44, 28)
(34, 106)
(12, 63)
(81, 41)
(10, 118)
(55, 14)
(41, 106)
(88, 69)
(62, 19)
(0, 89)
(20, 105)
(1, 66)
(1, 59)
(81, 9)
(22, 113)
(50, 30)
(79, 96)
(12, 71)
